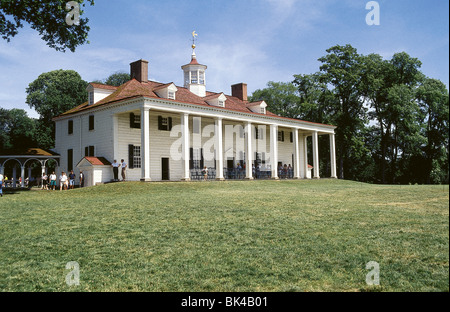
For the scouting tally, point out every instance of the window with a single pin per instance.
(292, 137)
(281, 136)
(134, 156)
(171, 95)
(91, 122)
(89, 151)
(70, 127)
(91, 98)
(194, 77)
(164, 123)
(263, 110)
(135, 121)
(69, 160)
(186, 77)
(221, 103)
(201, 78)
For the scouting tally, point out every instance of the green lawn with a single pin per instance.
(227, 236)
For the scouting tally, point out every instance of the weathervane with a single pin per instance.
(194, 37)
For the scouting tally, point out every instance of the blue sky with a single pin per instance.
(251, 41)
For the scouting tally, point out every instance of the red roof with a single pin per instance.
(98, 161)
(135, 89)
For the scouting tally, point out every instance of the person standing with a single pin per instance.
(115, 166)
(124, 169)
(72, 180)
(45, 182)
(81, 179)
(53, 181)
(1, 185)
(205, 173)
(63, 181)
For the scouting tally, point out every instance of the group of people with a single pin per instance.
(66, 182)
(123, 165)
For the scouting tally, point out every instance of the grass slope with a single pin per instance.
(227, 236)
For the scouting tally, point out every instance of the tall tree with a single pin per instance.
(315, 99)
(48, 18)
(50, 95)
(341, 68)
(433, 100)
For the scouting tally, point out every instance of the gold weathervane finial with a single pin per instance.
(194, 37)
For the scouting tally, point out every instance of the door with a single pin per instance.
(165, 173)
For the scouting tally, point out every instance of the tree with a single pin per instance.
(314, 98)
(52, 94)
(433, 101)
(117, 79)
(17, 130)
(341, 68)
(281, 98)
(48, 18)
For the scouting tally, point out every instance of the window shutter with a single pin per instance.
(91, 122)
(191, 158)
(170, 124)
(86, 151)
(132, 125)
(70, 127)
(91, 151)
(292, 137)
(131, 156)
(160, 123)
(282, 136)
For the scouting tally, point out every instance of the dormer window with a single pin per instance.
(217, 100)
(167, 91)
(258, 107)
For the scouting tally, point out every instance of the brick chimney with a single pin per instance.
(239, 90)
(139, 70)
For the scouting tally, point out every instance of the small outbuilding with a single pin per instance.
(96, 170)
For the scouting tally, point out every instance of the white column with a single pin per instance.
(22, 174)
(274, 151)
(185, 145)
(145, 144)
(315, 143)
(2, 170)
(218, 146)
(248, 151)
(296, 155)
(333, 156)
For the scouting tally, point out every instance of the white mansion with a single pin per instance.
(168, 132)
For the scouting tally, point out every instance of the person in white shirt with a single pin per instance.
(115, 166)
(124, 169)
(63, 181)
(53, 181)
